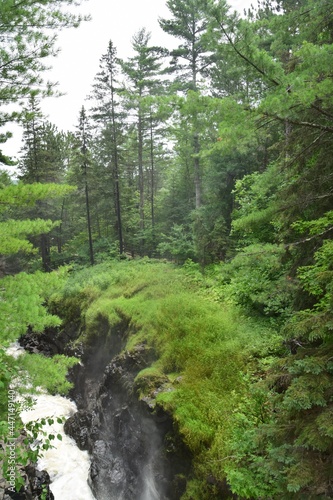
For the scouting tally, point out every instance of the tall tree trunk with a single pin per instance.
(117, 187)
(84, 152)
(98, 226)
(116, 165)
(91, 250)
(141, 180)
(197, 173)
(118, 211)
(152, 176)
(45, 252)
(59, 237)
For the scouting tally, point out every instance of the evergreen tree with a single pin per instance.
(191, 60)
(25, 44)
(42, 162)
(141, 72)
(107, 113)
(284, 217)
(13, 199)
(83, 137)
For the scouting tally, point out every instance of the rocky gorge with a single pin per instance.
(134, 446)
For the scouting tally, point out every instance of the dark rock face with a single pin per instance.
(39, 481)
(79, 427)
(126, 437)
(52, 341)
(135, 452)
(36, 483)
(105, 465)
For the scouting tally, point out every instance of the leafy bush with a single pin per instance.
(287, 453)
(49, 373)
(257, 279)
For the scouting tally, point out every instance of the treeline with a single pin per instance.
(169, 151)
(151, 162)
(219, 153)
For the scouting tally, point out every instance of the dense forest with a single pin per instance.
(196, 199)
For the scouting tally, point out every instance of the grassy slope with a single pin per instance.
(203, 348)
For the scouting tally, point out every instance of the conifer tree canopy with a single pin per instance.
(28, 32)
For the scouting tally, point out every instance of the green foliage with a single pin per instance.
(23, 299)
(236, 130)
(49, 373)
(201, 346)
(28, 194)
(25, 46)
(8, 373)
(256, 279)
(19, 379)
(210, 234)
(35, 431)
(247, 182)
(296, 432)
(318, 278)
(188, 23)
(253, 219)
(38, 439)
(22, 305)
(178, 245)
(315, 227)
(13, 234)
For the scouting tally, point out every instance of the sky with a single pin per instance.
(81, 49)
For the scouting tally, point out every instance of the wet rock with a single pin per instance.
(135, 453)
(103, 465)
(50, 342)
(39, 483)
(80, 427)
(131, 459)
(36, 484)
(120, 373)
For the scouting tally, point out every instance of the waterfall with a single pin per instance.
(66, 464)
(150, 491)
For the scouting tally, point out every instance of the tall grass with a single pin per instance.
(202, 347)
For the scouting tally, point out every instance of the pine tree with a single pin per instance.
(83, 137)
(16, 198)
(189, 23)
(106, 112)
(191, 60)
(141, 73)
(42, 162)
(285, 211)
(25, 45)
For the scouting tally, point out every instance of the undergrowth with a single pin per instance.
(203, 346)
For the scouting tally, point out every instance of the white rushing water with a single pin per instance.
(150, 492)
(14, 350)
(66, 464)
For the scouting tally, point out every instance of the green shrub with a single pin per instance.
(48, 373)
(257, 280)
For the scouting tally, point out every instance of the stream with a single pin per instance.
(67, 466)
(65, 463)
(114, 447)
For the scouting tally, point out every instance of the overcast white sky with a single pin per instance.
(77, 64)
